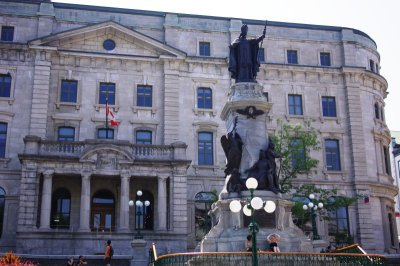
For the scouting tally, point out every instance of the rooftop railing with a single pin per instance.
(268, 258)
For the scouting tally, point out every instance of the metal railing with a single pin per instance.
(268, 258)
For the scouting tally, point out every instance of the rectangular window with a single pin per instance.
(143, 137)
(266, 96)
(204, 49)
(261, 55)
(332, 155)
(3, 139)
(298, 154)
(387, 160)
(204, 98)
(105, 133)
(107, 92)
(7, 34)
(5, 85)
(144, 96)
(328, 106)
(69, 89)
(292, 57)
(372, 65)
(66, 134)
(338, 221)
(295, 104)
(205, 148)
(325, 59)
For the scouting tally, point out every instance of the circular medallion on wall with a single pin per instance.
(109, 45)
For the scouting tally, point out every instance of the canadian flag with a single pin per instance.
(110, 114)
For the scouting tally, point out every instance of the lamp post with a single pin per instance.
(313, 207)
(139, 207)
(249, 208)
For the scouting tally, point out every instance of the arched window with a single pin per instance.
(2, 204)
(103, 211)
(60, 209)
(203, 201)
(144, 216)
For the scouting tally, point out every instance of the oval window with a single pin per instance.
(109, 45)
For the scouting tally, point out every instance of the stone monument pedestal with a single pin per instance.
(139, 257)
(230, 229)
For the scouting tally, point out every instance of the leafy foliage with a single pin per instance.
(294, 143)
(10, 259)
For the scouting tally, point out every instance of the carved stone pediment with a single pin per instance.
(89, 39)
(106, 157)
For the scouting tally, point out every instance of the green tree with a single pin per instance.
(294, 144)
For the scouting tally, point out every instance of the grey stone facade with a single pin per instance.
(55, 42)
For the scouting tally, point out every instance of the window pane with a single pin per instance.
(144, 96)
(292, 57)
(5, 85)
(143, 137)
(103, 133)
(261, 55)
(69, 91)
(107, 91)
(7, 34)
(204, 48)
(332, 155)
(3, 139)
(295, 104)
(325, 59)
(329, 106)
(66, 134)
(204, 98)
(205, 148)
(60, 209)
(298, 153)
(108, 221)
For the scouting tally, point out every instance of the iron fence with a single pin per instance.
(268, 258)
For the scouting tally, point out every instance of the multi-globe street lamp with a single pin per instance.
(313, 206)
(249, 208)
(139, 211)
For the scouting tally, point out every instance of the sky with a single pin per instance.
(379, 19)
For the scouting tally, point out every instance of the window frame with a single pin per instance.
(298, 154)
(205, 158)
(202, 99)
(145, 95)
(3, 141)
(3, 85)
(325, 59)
(4, 29)
(331, 155)
(336, 219)
(149, 140)
(289, 56)
(57, 208)
(328, 107)
(261, 55)
(104, 93)
(293, 107)
(202, 50)
(105, 129)
(74, 91)
(65, 137)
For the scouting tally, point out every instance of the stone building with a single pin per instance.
(66, 178)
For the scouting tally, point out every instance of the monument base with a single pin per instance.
(230, 229)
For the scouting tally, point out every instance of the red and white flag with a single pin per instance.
(110, 114)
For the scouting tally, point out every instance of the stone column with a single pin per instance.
(84, 218)
(162, 202)
(45, 209)
(124, 199)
